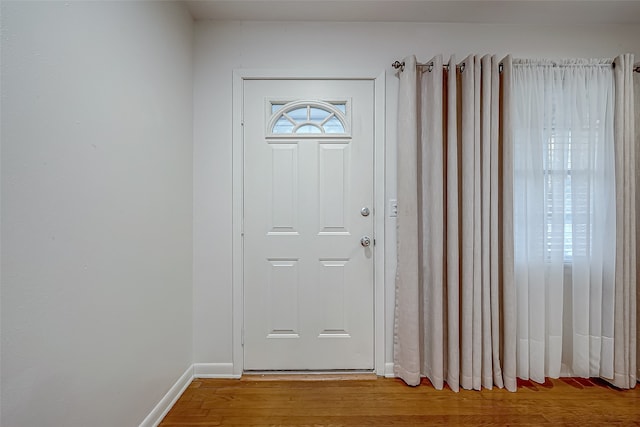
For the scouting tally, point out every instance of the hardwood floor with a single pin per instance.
(367, 401)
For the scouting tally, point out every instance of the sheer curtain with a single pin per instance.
(565, 217)
(455, 299)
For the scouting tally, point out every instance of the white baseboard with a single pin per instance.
(388, 370)
(203, 370)
(169, 399)
(214, 370)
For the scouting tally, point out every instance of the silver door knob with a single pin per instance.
(365, 211)
(365, 241)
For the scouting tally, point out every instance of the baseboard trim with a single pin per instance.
(203, 370)
(166, 403)
(388, 370)
(214, 370)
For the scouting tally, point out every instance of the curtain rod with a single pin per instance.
(429, 66)
(400, 65)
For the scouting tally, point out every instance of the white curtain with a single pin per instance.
(636, 91)
(455, 299)
(626, 178)
(575, 219)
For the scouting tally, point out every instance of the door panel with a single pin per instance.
(308, 282)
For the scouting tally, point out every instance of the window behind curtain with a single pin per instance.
(569, 203)
(563, 161)
(564, 215)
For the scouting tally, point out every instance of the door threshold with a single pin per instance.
(308, 376)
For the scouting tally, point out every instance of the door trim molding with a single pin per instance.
(378, 79)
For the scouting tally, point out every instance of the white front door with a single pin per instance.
(308, 203)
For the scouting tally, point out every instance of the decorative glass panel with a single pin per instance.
(333, 125)
(283, 126)
(276, 107)
(309, 129)
(318, 115)
(298, 115)
(312, 117)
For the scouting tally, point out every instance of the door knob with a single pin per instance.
(365, 241)
(365, 211)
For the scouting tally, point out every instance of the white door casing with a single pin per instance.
(305, 289)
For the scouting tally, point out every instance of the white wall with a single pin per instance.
(96, 210)
(221, 47)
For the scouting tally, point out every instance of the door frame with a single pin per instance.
(378, 79)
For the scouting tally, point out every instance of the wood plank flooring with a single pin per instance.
(389, 402)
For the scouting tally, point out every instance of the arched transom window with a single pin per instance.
(308, 118)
